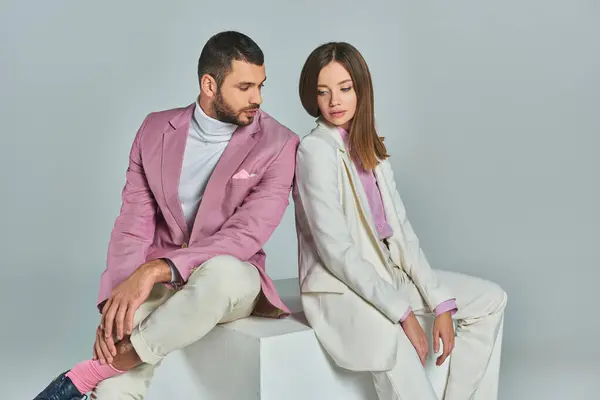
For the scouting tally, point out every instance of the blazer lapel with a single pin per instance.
(237, 149)
(386, 197)
(173, 149)
(355, 181)
(363, 202)
(392, 216)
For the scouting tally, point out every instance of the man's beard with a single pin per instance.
(225, 113)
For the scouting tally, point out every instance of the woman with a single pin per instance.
(363, 276)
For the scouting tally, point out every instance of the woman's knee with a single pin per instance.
(498, 296)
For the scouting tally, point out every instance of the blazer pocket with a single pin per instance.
(243, 181)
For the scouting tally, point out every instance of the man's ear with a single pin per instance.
(208, 85)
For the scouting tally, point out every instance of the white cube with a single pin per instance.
(267, 359)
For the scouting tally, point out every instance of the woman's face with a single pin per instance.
(336, 96)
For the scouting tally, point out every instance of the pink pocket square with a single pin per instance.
(243, 174)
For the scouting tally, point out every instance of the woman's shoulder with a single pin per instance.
(385, 167)
(320, 137)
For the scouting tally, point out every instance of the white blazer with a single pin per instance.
(348, 289)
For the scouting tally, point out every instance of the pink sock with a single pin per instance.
(88, 374)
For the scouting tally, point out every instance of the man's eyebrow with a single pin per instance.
(244, 83)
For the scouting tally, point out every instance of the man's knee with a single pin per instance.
(226, 276)
(224, 266)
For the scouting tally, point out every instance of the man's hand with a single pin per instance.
(443, 328)
(117, 313)
(414, 332)
(102, 350)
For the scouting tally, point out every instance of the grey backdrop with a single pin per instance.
(487, 107)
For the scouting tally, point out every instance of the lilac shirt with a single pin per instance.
(384, 230)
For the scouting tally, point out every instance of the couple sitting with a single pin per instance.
(206, 187)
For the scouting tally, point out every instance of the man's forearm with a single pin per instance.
(158, 269)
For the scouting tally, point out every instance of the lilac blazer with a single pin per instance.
(236, 216)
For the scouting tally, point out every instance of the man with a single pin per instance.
(206, 187)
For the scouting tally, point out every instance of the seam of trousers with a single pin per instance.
(142, 349)
(396, 391)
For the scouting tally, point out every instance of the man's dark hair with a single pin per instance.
(220, 51)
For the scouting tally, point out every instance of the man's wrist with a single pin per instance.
(159, 270)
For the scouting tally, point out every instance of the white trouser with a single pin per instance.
(222, 290)
(473, 373)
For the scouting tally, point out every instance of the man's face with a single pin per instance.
(239, 97)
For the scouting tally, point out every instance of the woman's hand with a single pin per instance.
(443, 328)
(414, 332)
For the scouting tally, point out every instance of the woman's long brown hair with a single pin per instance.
(365, 145)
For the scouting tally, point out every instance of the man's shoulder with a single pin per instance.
(275, 130)
(163, 117)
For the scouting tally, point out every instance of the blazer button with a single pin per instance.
(184, 245)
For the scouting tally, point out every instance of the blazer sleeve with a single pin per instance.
(252, 224)
(317, 188)
(133, 230)
(433, 291)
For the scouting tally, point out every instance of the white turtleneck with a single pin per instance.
(206, 141)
